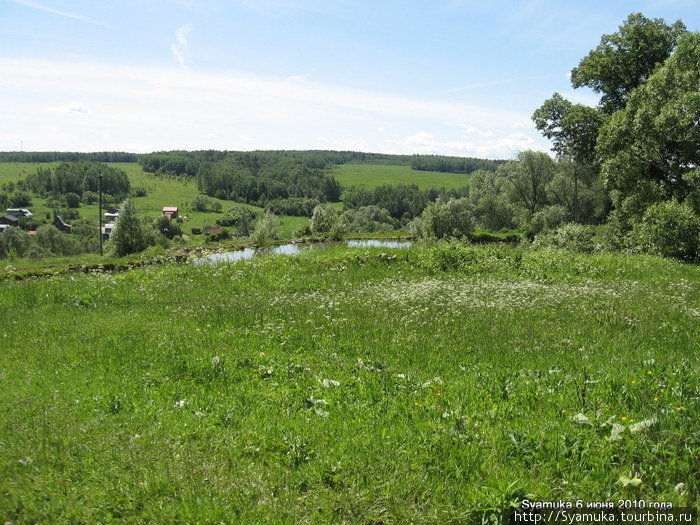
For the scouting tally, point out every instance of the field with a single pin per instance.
(162, 191)
(371, 175)
(349, 386)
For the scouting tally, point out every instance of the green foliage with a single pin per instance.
(323, 219)
(266, 230)
(14, 243)
(528, 177)
(90, 197)
(299, 207)
(443, 219)
(20, 200)
(549, 218)
(166, 227)
(655, 138)
(669, 229)
(201, 203)
(571, 236)
(239, 218)
(131, 233)
(72, 200)
(624, 60)
(79, 177)
(54, 242)
(367, 219)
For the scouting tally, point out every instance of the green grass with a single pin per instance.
(348, 386)
(371, 175)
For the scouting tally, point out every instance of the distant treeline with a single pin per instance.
(453, 164)
(62, 156)
(78, 178)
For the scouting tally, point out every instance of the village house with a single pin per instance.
(62, 225)
(19, 212)
(170, 212)
(9, 220)
(107, 230)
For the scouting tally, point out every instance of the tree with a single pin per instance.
(14, 243)
(655, 138)
(266, 230)
(72, 200)
(441, 219)
(131, 234)
(624, 60)
(528, 176)
(323, 219)
(166, 227)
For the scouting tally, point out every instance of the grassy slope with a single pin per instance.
(161, 192)
(371, 176)
(347, 386)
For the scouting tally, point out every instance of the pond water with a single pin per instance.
(295, 249)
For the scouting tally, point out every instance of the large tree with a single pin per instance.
(656, 138)
(625, 59)
(529, 176)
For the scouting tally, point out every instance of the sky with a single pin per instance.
(448, 77)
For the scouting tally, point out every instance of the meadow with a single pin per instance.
(161, 191)
(348, 385)
(372, 175)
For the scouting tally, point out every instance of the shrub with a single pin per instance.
(52, 241)
(201, 203)
(72, 200)
(367, 219)
(239, 218)
(266, 230)
(443, 219)
(549, 218)
(669, 229)
(90, 197)
(571, 236)
(323, 219)
(303, 230)
(14, 243)
(166, 227)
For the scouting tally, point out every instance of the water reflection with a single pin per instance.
(294, 249)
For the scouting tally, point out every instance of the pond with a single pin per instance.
(295, 249)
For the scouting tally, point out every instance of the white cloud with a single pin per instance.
(71, 107)
(499, 148)
(148, 108)
(181, 48)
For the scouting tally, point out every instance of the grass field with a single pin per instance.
(162, 191)
(349, 386)
(371, 176)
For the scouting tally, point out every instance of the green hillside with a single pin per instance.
(373, 175)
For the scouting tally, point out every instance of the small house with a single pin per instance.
(170, 212)
(3, 227)
(62, 225)
(19, 212)
(111, 216)
(9, 220)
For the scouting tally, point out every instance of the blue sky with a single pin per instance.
(454, 77)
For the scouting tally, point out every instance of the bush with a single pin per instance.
(14, 243)
(52, 241)
(266, 230)
(72, 200)
(323, 219)
(367, 219)
(166, 227)
(443, 219)
(669, 229)
(201, 203)
(90, 197)
(549, 218)
(239, 218)
(571, 236)
(303, 230)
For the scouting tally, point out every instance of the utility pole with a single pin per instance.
(99, 217)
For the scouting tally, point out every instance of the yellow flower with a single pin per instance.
(656, 399)
(623, 418)
(631, 420)
(633, 382)
(649, 372)
(679, 408)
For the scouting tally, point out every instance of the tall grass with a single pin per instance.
(348, 385)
